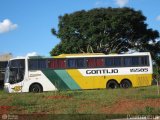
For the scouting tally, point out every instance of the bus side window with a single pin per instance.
(135, 61)
(52, 64)
(42, 64)
(109, 62)
(36, 64)
(113, 61)
(127, 61)
(99, 62)
(117, 62)
(71, 63)
(61, 63)
(80, 63)
(56, 63)
(91, 62)
(144, 61)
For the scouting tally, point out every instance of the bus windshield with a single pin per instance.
(15, 71)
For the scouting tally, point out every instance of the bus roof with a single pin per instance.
(80, 55)
(99, 55)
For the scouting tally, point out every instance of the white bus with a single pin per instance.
(78, 71)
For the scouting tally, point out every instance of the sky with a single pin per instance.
(25, 25)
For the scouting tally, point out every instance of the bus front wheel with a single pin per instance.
(112, 84)
(126, 84)
(36, 88)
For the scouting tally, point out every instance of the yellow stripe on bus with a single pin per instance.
(93, 82)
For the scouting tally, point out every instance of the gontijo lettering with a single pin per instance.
(103, 71)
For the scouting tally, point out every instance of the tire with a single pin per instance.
(112, 85)
(36, 88)
(126, 84)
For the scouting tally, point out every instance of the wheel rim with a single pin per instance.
(126, 84)
(112, 86)
(36, 89)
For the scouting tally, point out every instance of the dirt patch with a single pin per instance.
(86, 106)
(128, 106)
(6, 109)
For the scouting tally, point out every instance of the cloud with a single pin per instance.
(98, 3)
(158, 18)
(28, 54)
(101, 3)
(121, 3)
(6, 25)
(32, 54)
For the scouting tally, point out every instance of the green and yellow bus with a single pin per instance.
(78, 71)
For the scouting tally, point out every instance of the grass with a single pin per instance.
(148, 111)
(134, 101)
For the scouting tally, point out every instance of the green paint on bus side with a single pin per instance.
(55, 79)
(67, 79)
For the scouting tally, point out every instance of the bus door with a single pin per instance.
(16, 75)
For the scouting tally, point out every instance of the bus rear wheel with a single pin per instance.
(112, 84)
(36, 88)
(126, 84)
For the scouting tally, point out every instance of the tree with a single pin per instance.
(106, 30)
